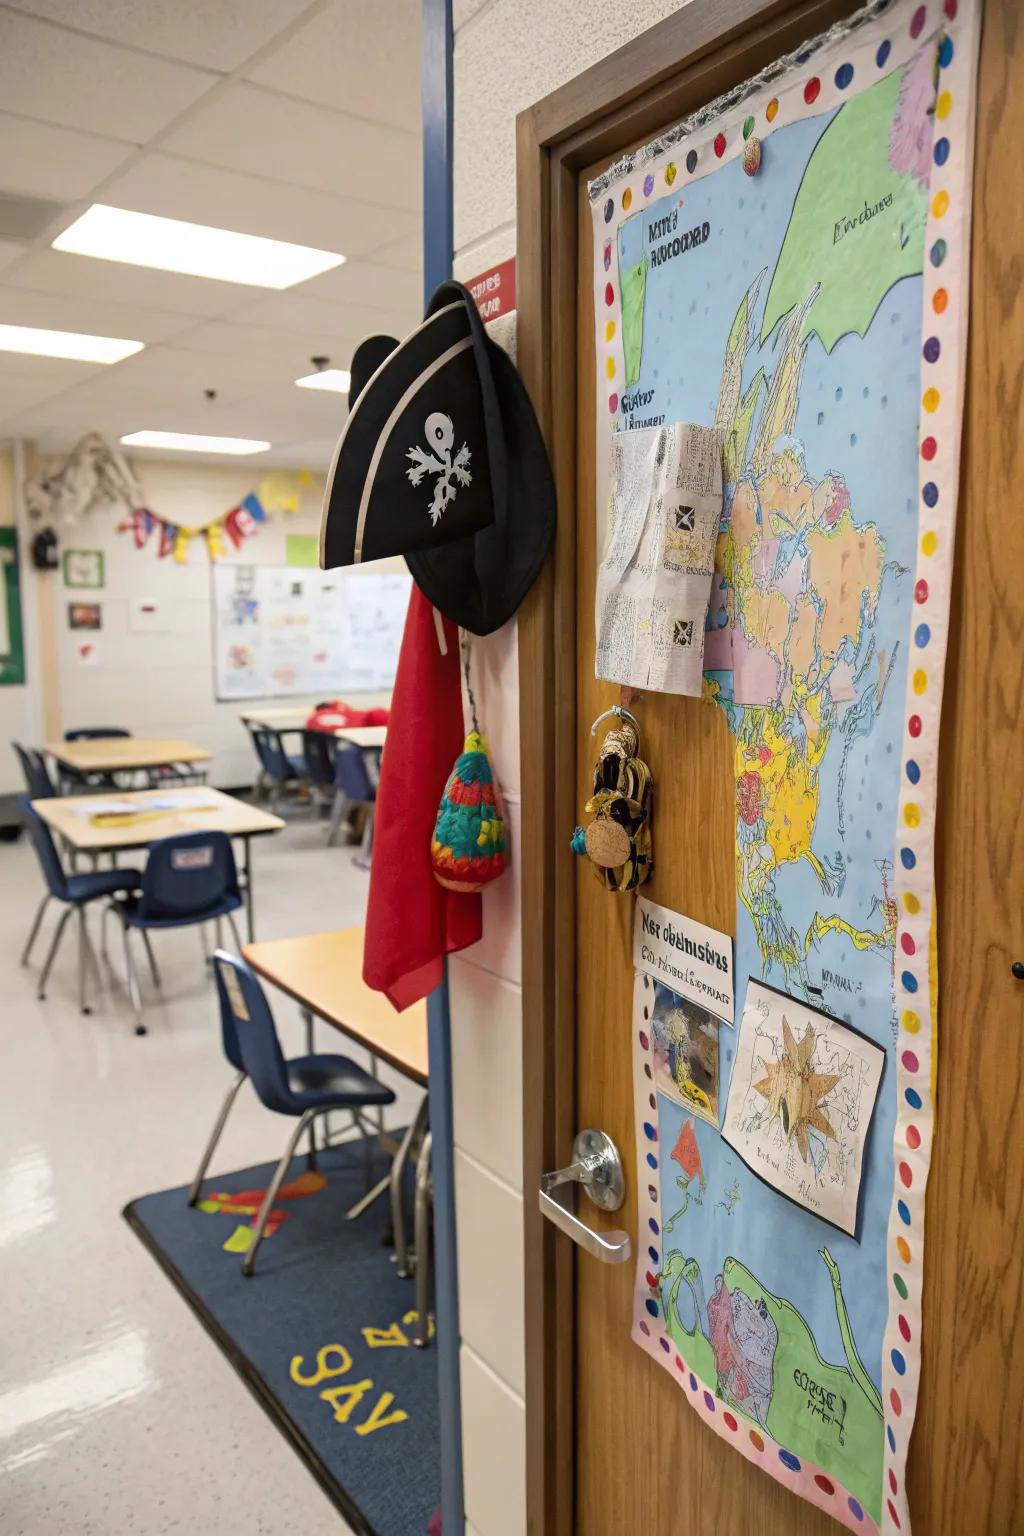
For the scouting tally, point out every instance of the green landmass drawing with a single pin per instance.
(633, 287)
(760, 1357)
(857, 225)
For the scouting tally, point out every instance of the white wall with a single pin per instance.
(162, 684)
(508, 54)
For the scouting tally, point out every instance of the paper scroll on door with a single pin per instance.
(654, 584)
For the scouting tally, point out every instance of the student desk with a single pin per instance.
(323, 972)
(291, 717)
(124, 754)
(147, 823)
(365, 736)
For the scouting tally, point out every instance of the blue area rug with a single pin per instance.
(321, 1334)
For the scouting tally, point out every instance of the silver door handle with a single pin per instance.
(597, 1168)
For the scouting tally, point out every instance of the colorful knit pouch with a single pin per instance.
(468, 850)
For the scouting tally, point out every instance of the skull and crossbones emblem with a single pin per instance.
(451, 470)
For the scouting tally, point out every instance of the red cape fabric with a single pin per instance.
(411, 921)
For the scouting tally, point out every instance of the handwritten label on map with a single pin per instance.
(688, 956)
(654, 585)
(800, 1102)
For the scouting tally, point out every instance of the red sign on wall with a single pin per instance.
(494, 291)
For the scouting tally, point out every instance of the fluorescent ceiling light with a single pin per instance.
(199, 250)
(69, 344)
(194, 442)
(338, 379)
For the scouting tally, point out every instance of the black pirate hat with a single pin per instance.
(442, 461)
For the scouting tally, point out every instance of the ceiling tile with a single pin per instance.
(10, 250)
(406, 252)
(296, 312)
(262, 133)
(362, 59)
(290, 351)
(360, 283)
(47, 74)
(40, 160)
(96, 317)
(205, 194)
(220, 36)
(83, 277)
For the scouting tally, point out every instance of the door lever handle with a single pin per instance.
(597, 1167)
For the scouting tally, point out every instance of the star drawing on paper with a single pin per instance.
(794, 1090)
(452, 470)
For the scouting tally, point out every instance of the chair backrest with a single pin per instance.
(33, 767)
(46, 851)
(318, 749)
(95, 733)
(350, 773)
(248, 1024)
(270, 751)
(187, 876)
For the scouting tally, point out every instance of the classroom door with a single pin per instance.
(645, 1463)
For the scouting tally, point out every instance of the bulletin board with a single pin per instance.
(12, 653)
(791, 268)
(283, 631)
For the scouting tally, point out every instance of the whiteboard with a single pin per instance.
(280, 631)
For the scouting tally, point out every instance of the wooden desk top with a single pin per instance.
(285, 718)
(324, 973)
(363, 735)
(213, 812)
(109, 754)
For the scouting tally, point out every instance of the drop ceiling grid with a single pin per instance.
(225, 118)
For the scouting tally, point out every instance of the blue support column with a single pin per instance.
(437, 265)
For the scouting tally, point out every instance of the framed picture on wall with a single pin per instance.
(83, 568)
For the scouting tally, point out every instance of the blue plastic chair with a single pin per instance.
(355, 786)
(38, 784)
(191, 879)
(303, 1086)
(76, 892)
(277, 767)
(318, 751)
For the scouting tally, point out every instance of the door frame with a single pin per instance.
(667, 72)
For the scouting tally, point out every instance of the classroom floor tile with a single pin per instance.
(117, 1413)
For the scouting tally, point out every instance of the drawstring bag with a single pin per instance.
(617, 839)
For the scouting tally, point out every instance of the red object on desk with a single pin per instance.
(337, 715)
(411, 921)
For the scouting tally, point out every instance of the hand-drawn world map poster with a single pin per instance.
(791, 267)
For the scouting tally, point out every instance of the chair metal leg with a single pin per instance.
(311, 1154)
(218, 933)
(202, 940)
(83, 955)
(133, 982)
(413, 1134)
(152, 958)
(424, 1200)
(51, 955)
(34, 930)
(362, 859)
(215, 1135)
(305, 1119)
(339, 810)
(234, 933)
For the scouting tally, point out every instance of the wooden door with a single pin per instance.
(643, 1460)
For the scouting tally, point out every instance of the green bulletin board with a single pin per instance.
(12, 650)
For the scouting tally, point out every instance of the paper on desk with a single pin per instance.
(95, 805)
(654, 584)
(182, 800)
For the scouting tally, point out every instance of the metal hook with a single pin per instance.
(620, 713)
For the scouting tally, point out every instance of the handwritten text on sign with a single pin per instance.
(695, 961)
